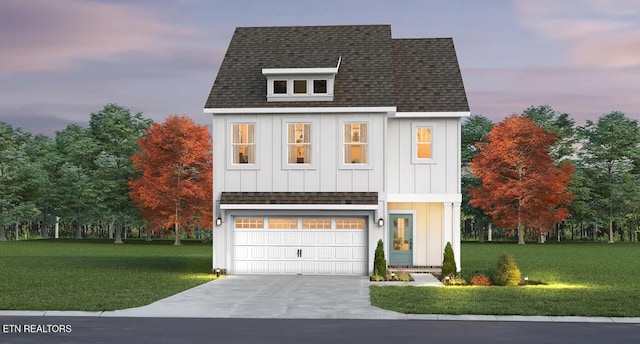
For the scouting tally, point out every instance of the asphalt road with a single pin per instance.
(187, 330)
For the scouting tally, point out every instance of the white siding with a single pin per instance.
(441, 176)
(270, 172)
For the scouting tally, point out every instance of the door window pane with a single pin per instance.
(400, 241)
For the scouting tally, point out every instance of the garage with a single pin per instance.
(300, 245)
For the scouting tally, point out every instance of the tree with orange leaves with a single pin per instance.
(176, 183)
(521, 187)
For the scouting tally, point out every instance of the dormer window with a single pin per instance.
(280, 86)
(300, 84)
(320, 86)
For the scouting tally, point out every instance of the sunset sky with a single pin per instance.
(62, 60)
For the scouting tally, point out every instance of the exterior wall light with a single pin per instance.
(219, 222)
(380, 222)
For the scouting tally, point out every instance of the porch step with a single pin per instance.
(417, 269)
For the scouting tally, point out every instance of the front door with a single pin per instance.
(401, 239)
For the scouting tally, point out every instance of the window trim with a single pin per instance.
(314, 143)
(414, 142)
(229, 150)
(341, 144)
(309, 95)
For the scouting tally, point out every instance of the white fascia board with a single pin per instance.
(294, 71)
(298, 71)
(423, 198)
(432, 114)
(299, 206)
(282, 110)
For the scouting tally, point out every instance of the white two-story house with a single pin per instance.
(329, 138)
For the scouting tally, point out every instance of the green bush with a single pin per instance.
(379, 262)
(507, 272)
(449, 263)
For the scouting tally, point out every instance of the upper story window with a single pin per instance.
(244, 143)
(280, 86)
(299, 143)
(320, 86)
(356, 148)
(423, 141)
(300, 84)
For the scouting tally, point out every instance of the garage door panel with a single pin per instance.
(308, 238)
(274, 238)
(241, 238)
(291, 238)
(325, 238)
(325, 251)
(276, 253)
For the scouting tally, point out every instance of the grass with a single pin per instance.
(97, 275)
(582, 279)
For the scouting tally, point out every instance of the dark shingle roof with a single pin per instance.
(364, 77)
(427, 76)
(376, 70)
(299, 198)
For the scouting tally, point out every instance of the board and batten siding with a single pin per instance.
(429, 231)
(442, 175)
(271, 173)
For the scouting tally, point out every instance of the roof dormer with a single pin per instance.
(300, 84)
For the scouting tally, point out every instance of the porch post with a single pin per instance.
(455, 243)
(447, 237)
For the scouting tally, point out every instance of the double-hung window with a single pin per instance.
(299, 143)
(423, 150)
(356, 147)
(244, 143)
(424, 143)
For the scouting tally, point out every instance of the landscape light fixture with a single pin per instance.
(380, 222)
(219, 221)
(217, 272)
(446, 280)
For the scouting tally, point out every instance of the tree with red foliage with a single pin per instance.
(175, 188)
(521, 187)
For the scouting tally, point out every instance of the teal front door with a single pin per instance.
(401, 239)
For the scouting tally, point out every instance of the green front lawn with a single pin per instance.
(96, 275)
(583, 279)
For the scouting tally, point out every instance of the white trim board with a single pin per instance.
(399, 114)
(299, 206)
(423, 198)
(310, 110)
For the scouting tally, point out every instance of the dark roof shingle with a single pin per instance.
(415, 75)
(427, 76)
(299, 198)
(364, 77)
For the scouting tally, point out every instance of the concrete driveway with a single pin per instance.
(249, 296)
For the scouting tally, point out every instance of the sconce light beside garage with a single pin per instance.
(380, 222)
(219, 221)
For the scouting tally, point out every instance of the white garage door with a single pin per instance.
(304, 245)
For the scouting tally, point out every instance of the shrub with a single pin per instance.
(507, 272)
(480, 279)
(449, 263)
(379, 262)
(401, 276)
